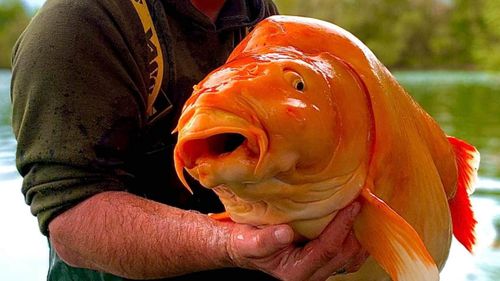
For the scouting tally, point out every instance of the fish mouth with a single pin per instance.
(218, 147)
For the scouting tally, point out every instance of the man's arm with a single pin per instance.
(136, 238)
(129, 236)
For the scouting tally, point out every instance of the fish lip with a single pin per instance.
(232, 126)
(256, 140)
(237, 125)
(251, 141)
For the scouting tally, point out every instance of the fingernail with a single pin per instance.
(283, 235)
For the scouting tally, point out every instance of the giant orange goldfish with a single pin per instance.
(302, 120)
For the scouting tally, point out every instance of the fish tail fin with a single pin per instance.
(467, 159)
(392, 242)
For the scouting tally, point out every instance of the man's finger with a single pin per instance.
(343, 261)
(260, 243)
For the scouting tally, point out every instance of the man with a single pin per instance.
(97, 166)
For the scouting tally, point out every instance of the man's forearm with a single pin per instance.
(129, 236)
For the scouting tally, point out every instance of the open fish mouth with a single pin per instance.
(213, 143)
(218, 147)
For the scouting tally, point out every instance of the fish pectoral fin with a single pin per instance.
(392, 242)
(224, 216)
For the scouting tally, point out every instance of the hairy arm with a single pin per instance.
(132, 237)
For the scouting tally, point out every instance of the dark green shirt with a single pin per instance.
(79, 85)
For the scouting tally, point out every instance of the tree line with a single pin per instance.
(416, 34)
(14, 17)
(403, 34)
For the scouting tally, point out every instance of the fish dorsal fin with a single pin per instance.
(467, 159)
(392, 242)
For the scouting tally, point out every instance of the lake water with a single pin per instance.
(466, 104)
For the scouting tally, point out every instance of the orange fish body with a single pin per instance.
(301, 121)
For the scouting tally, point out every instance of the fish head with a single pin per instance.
(271, 134)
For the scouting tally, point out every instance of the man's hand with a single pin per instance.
(271, 249)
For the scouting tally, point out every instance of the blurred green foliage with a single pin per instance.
(416, 34)
(404, 34)
(14, 17)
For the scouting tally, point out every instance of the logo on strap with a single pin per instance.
(156, 98)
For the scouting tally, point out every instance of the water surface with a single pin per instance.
(466, 104)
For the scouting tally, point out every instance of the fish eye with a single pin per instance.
(295, 80)
(299, 85)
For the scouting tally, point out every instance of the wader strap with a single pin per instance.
(155, 65)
